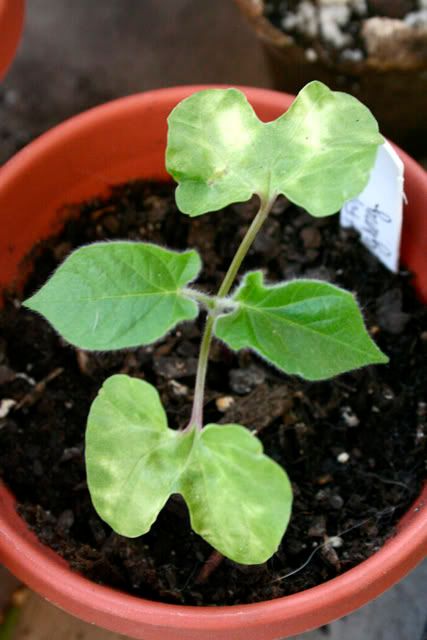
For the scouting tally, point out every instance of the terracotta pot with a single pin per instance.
(392, 80)
(110, 144)
(11, 22)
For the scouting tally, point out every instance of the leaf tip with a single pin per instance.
(182, 202)
(381, 357)
(32, 303)
(254, 278)
(28, 303)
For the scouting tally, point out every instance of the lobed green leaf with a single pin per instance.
(239, 499)
(133, 460)
(318, 154)
(119, 294)
(304, 327)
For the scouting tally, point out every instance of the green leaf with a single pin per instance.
(239, 499)
(118, 294)
(318, 154)
(133, 460)
(305, 327)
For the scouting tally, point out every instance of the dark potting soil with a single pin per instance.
(333, 32)
(354, 447)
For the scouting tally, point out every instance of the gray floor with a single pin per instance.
(78, 53)
(400, 614)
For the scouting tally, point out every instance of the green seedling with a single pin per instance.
(119, 295)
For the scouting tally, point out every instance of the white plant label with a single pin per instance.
(377, 213)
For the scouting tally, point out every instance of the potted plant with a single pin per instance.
(53, 171)
(372, 49)
(11, 21)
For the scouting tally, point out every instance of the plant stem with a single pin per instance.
(196, 419)
(204, 299)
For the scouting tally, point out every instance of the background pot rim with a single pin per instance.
(39, 566)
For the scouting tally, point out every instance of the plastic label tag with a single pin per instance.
(377, 213)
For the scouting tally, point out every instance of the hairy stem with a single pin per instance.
(196, 419)
(202, 298)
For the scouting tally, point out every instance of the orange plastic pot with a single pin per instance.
(11, 22)
(113, 143)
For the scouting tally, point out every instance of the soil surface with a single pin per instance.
(354, 447)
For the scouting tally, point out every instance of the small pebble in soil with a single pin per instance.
(349, 417)
(311, 55)
(326, 478)
(352, 55)
(243, 381)
(318, 528)
(330, 555)
(336, 502)
(224, 403)
(71, 453)
(178, 389)
(83, 361)
(335, 541)
(6, 405)
(172, 367)
(343, 457)
(391, 318)
(65, 522)
(322, 496)
(388, 394)
(311, 237)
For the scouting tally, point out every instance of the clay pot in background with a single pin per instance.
(11, 22)
(120, 141)
(392, 80)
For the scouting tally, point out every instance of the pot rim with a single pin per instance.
(39, 566)
(26, 556)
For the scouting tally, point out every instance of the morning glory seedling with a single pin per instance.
(119, 295)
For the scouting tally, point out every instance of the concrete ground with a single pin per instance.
(79, 53)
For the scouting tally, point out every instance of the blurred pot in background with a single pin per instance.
(11, 22)
(374, 49)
